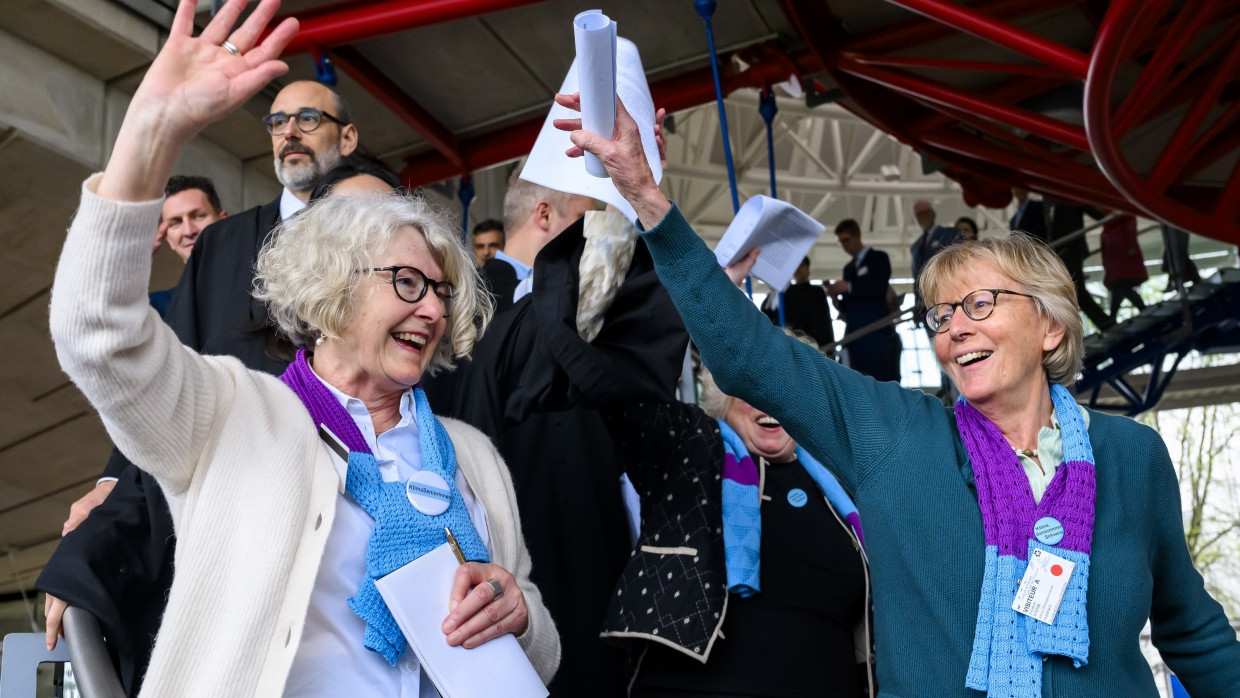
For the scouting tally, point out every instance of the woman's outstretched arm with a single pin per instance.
(848, 421)
(155, 399)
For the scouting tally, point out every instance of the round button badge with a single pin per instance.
(428, 493)
(797, 497)
(1048, 530)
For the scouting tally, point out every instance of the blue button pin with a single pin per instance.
(1048, 530)
(797, 497)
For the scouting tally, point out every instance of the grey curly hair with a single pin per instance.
(308, 271)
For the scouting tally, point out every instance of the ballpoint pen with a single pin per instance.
(456, 547)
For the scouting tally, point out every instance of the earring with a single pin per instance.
(318, 341)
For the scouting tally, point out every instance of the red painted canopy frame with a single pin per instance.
(329, 30)
(1185, 56)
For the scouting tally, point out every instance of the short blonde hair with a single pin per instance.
(713, 401)
(309, 270)
(1038, 270)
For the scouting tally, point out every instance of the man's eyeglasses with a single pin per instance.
(307, 120)
(978, 305)
(410, 285)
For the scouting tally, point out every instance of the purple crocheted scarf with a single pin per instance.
(1008, 647)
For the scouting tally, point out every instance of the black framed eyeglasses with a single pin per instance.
(410, 284)
(978, 305)
(307, 120)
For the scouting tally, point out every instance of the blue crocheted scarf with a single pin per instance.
(402, 533)
(1008, 647)
(742, 519)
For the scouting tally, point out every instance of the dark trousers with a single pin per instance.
(1125, 289)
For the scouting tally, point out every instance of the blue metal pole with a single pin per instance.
(767, 108)
(466, 195)
(706, 8)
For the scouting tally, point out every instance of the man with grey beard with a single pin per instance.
(311, 132)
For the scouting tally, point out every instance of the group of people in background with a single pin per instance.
(866, 303)
(337, 381)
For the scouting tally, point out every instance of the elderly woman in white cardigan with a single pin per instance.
(279, 538)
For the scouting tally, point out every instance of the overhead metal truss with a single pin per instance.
(982, 117)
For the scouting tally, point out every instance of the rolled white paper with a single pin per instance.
(595, 36)
(549, 166)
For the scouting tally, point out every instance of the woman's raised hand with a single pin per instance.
(193, 82)
(623, 156)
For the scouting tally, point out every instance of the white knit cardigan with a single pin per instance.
(251, 486)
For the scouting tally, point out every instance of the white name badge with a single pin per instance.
(1043, 586)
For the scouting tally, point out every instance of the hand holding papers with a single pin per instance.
(548, 164)
(417, 594)
(595, 36)
(783, 231)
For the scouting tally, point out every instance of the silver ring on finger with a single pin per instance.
(496, 589)
(228, 46)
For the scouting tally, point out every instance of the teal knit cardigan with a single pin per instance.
(898, 453)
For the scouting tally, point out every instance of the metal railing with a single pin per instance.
(83, 648)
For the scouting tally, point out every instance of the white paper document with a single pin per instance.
(417, 595)
(595, 36)
(549, 166)
(783, 231)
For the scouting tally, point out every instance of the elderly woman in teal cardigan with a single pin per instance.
(1018, 543)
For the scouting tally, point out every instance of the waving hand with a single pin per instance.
(193, 82)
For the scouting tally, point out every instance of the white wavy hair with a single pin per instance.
(308, 272)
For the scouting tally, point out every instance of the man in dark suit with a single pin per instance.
(1030, 216)
(933, 238)
(116, 563)
(533, 216)
(805, 308)
(862, 299)
(1064, 220)
(565, 469)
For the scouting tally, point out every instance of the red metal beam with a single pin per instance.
(1008, 92)
(949, 64)
(1142, 97)
(1175, 152)
(767, 65)
(915, 32)
(1099, 91)
(1216, 142)
(930, 91)
(1072, 62)
(379, 85)
(1088, 180)
(347, 23)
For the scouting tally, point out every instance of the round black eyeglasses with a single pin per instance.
(410, 284)
(307, 120)
(978, 305)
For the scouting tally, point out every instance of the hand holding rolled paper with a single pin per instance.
(595, 37)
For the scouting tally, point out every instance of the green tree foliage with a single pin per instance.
(1204, 446)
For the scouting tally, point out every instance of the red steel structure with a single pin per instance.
(1156, 75)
